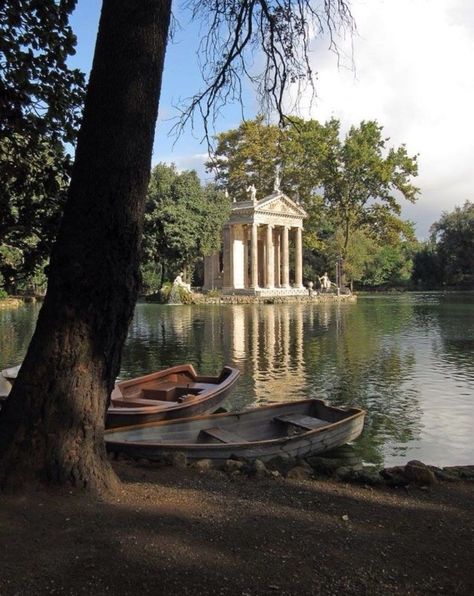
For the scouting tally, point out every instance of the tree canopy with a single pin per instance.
(453, 238)
(351, 187)
(362, 180)
(40, 107)
(183, 220)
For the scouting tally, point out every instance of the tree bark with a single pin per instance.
(51, 427)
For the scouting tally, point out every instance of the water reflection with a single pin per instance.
(407, 359)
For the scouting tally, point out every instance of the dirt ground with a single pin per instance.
(180, 532)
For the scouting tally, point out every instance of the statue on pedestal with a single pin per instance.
(253, 192)
(325, 282)
(276, 184)
(178, 281)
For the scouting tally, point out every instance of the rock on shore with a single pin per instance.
(341, 464)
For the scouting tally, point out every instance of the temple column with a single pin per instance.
(246, 256)
(226, 257)
(270, 260)
(285, 259)
(298, 258)
(254, 256)
(229, 258)
(277, 238)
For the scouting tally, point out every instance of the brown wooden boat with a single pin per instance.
(297, 429)
(172, 393)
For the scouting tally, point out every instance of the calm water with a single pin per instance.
(407, 359)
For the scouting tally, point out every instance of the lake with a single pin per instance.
(408, 359)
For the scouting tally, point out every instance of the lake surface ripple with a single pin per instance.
(407, 359)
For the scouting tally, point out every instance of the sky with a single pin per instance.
(409, 66)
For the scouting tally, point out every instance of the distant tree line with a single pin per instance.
(350, 186)
(447, 258)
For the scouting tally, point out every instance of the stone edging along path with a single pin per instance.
(341, 464)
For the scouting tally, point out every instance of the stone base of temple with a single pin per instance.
(301, 298)
(265, 292)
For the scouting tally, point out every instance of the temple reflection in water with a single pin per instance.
(268, 342)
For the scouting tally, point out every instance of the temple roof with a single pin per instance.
(276, 208)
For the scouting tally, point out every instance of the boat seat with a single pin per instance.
(301, 421)
(202, 386)
(222, 435)
(136, 402)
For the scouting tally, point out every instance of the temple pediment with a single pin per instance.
(280, 203)
(276, 208)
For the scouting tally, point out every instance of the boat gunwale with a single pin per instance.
(157, 374)
(357, 413)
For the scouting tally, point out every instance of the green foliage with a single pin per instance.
(348, 186)
(390, 266)
(41, 107)
(426, 272)
(214, 293)
(247, 155)
(183, 220)
(151, 277)
(361, 178)
(185, 296)
(165, 291)
(42, 96)
(3, 292)
(453, 236)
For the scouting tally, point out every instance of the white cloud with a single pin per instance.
(183, 161)
(414, 75)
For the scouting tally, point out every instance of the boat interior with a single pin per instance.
(254, 425)
(156, 390)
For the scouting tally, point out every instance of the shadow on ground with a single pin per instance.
(174, 532)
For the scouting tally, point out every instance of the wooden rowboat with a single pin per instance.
(296, 428)
(172, 393)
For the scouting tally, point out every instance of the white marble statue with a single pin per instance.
(178, 281)
(276, 184)
(253, 192)
(325, 282)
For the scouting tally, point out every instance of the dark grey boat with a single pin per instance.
(294, 428)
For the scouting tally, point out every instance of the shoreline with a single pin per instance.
(338, 465)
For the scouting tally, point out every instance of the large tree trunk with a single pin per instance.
(51, 427)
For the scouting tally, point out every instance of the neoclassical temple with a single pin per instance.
(256, 248)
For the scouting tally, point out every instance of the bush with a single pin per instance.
(150, 278)
(215, 293)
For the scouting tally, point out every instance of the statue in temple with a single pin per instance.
(253, 192)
